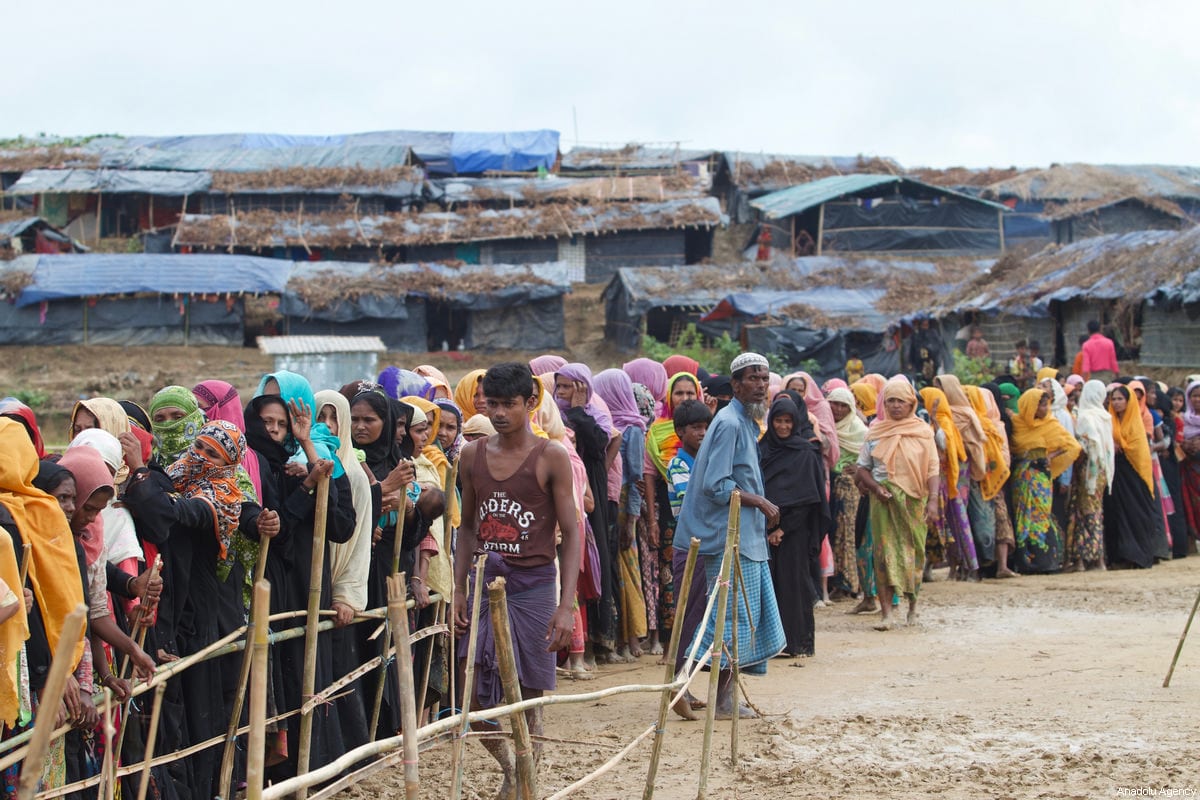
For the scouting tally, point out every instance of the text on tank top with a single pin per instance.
(516, 516)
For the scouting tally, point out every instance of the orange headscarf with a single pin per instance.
(968, 423)
(53, 570)
(905, 446)
(1147, 417)
(956, 451)
(866, 397)
(13, 633)
(464, 393)
(1129, 435)
(1047, 433)
(995, 443)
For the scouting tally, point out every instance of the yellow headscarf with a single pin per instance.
(995, 445)
(1047, 372)
(661, 442)
(866, 397)
(1047, 433)
(905, 446)
(956, 451)
(13, 633)
(1129, 435)
(970, 427)
(464, 393)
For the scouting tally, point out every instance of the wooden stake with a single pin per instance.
(239, 698)
(379, 687)
(507, 661)
(155, 712)
(309, 681)
(104, 787)
(27, 550)
(1182, 637)
(718, 642)
(256, 754)
(457, 756)
(398, 616)
(141, 625)
(52, 692)
(735, 687)
(664, 705)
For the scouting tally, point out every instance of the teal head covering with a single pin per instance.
(295, 387)
(175, 436)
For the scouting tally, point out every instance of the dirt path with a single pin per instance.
(1038, 687)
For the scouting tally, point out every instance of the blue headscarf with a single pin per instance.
(295, 387)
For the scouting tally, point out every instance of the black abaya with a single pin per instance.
(1129, 513)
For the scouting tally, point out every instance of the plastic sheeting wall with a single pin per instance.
(533, 326)
(407, 333)
(125, 321)
(656, 248)
(910, 225)
(1170, 338)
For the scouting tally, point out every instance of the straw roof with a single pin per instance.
(1076, 208)
(313, 178)
(1097, 181)
(23, 159)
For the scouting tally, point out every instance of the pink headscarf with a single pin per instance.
(833, 383)
(546, 363)
(648, 373)
(774, 385)
(220, 401)
(818, 406)
(438, 379)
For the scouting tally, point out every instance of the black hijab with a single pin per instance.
(998, 396)
(50, 475)
(257, 438)
(793, 470)
(383, 454)
(406, 412)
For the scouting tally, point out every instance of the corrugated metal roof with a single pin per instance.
(314, 345)
(800, 198)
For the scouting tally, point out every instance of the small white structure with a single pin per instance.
(327, 361)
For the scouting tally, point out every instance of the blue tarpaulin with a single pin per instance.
(56, 277)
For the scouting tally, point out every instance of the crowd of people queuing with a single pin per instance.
(850, 490)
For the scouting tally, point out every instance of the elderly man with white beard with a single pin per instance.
(728, 460)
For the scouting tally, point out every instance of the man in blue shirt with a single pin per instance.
(728, 460)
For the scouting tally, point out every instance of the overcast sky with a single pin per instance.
(961, 82)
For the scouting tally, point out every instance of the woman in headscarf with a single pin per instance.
(442, 390)
(662, 444)
(680, 363)
(1048, 383)
(449, 435)
(175, 418)
(994, 483)
(866, 398)
(1189, 468)
(899, 466)
(546, 363)
(852, 434)
(651, 374)
(1169, 457)
(818, 410)
(479, 426)
(219, 400)
(953, 531)
(1042, 449)
(468, 394)
(794, 479)
(1093, 480)
(594, 439)
(404, 383)
(1130, 514)
(970, 428)
(14, 409)
(1146, 392)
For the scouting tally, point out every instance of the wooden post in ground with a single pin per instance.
(52, 692)
(735, 673)
(398, 616)
(1182, 637)
(151, 738)
(239, 698)
(309, 679)
(256, 748)
(664, 706)
(507, 661)
(387, 638)
(718, 642)
(457, 758)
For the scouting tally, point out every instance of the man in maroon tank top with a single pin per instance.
(516, 490)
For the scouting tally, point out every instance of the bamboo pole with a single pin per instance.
(309, 680)
(142, 625)
(52, 692)
(27, 550)
(398, 616)
(718, 642)
(257, 747)
(664, 706)
(151, 738)
(457, 757)
(507, 662)
(379, 687)
(239, 699)
(1182, 637)
(735, 686)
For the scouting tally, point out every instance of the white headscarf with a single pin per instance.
(1093, 428)
(350, 561)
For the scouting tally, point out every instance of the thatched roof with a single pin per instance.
(770, 172)
(1077, 208)
(1066, 182)
(1131, 266)
(531, 191)
(22, 159)
(353, 180)
(263, 228)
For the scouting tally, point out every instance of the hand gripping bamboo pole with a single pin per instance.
(1182, 637)
(239, 698)
(398, 616)
(507, 661)
(256, 748)
(718, 642)
(387, 640)
(52, 692)
(309, 681)
(664, 706)
(457, 758)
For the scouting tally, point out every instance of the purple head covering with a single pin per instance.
(405, 383)
(648, 373)
(546, 363)
(595, 410)
(616, 390)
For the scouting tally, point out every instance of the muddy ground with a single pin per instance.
(1047, 686)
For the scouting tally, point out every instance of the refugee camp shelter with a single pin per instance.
(21, 234)
(132, 299)
(1071, 222)
(1143, 286)
(327, 361)
(881, 214)
(423, 307)
(752, 175)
